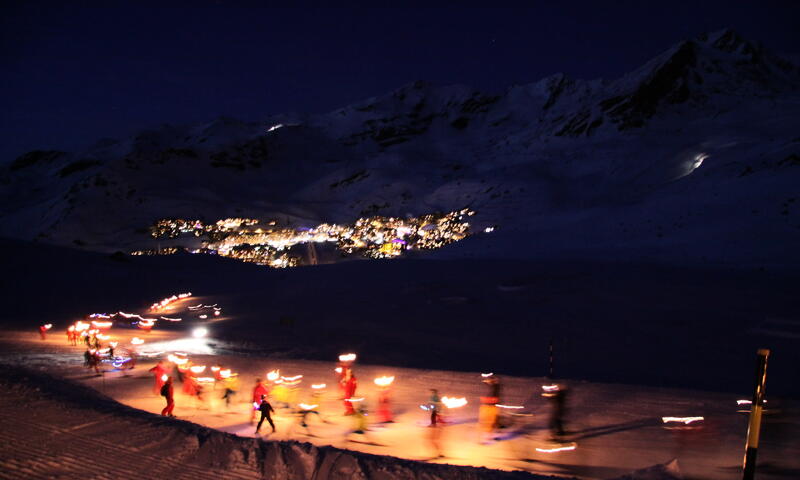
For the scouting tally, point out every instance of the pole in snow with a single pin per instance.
(754, 427)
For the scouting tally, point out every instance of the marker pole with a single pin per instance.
(754, 428)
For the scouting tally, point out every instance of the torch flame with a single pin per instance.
(453, 402)
(347, 357)
(384, 381)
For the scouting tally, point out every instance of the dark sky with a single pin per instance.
(73, 75)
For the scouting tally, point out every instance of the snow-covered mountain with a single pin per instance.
(695, 156)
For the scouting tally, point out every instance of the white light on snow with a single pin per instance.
(199, 332)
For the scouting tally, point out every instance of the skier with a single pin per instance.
(259, 391)
(384, 410)
(435, 407)
(487, 414)
(71, 335)
(43, 331)
(559, 410)
(265, 408)
(361, 426)
(231, 387)
(169, 394)
(93, 360)
(302, 413)
(158, 375)
(350, 385)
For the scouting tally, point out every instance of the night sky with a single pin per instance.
(71, 76)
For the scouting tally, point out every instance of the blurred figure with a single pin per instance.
(384, 410)
(558, 399)
(92, 358)
(259, 391)
(169, 394)
(487, 413)
(350, 386)
(435, 437)
(360, 424)
(159, 371)
(189, 382)
(302, 413)
(266, 409)
(72, 336)
(231, 387)
(435, 408)
(43, 331)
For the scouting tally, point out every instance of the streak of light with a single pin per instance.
(556, 449)
(685, 420)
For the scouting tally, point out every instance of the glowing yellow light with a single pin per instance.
(347, 357)
(136, 341)
(273, 375)
(306, 406)
(384, 381)
(318, 386)
(453, 402)
(198, 368)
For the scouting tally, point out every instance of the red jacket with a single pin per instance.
(259, 390)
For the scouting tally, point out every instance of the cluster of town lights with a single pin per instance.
(372, 237)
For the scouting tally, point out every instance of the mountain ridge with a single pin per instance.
(529, 158)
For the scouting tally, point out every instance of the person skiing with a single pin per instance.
(350, 385)
(43, 331)
(487, 414)
(231, 383)
(435, 407)
(159, 371)
(558, 411)
(361, 425)
(266, 409)
(384, 410)
(169, 394)
(259, 391)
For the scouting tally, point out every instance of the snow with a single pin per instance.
(531, 160)
(617, 428)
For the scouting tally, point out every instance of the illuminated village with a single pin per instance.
(370, 237)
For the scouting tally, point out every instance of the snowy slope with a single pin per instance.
(692, 157)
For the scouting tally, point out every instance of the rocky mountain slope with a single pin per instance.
(693, 157)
